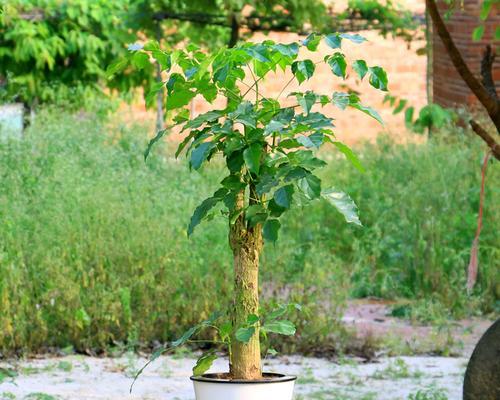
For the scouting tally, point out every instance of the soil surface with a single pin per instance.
(423, 377)
(87, 378)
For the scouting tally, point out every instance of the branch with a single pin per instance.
(487, 71)
(480, 131)
(491, 104)
(277, 23)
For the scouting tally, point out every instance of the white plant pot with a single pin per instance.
(270, 387)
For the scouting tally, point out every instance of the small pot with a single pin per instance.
(219, 387)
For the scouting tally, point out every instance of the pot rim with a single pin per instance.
(271, 378)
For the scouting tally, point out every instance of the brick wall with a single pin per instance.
(449, 89)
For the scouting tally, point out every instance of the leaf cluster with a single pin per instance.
(269, 148)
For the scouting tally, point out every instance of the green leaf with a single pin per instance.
(310, 185)
(184, 143)
(233, 182)
(245, 114)
(272, 352)
(200, 154)
(350, 155)
(333, 40)
(409, 117)
(163, 59)
(368, 110)
(312, 42)
(151, 45)
(185, 337)
(486, 8)
(202, 118)
(400, 107)
(265, 184)
(378, 78)
(303, 70)
(288, 50)
(225, 330)
(252, 155)
(295, 173)
(204, 363)
(343, 203)
(179, 98)
(274, 209)
(245, 334)
(140, 60)
(338, 64)
(182, 116)
(201, 212)
(360, 68)
(355, 38)
(259, 52)
(271, 229)
(221, 74)
(283, 196)
(277, 313)
(256, 214)
(235, 161)
(478, 33)
(283, 327)
(252, 319)
(305, 141)
(151, 143)
(341, 100)
(116, 67)
(273, 127)
(306, 101)
(305, 159)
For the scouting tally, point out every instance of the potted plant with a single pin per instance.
(269, 150)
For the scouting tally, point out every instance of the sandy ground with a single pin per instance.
(86, 378)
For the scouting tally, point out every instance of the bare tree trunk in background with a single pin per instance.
(160, 116)
(235, 31)
(429, 51)
(484, 90)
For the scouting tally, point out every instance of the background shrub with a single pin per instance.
(93, 247)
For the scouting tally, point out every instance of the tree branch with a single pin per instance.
(487, 71)
(490, 103)
(481, 132)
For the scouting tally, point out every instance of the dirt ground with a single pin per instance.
(385, 377)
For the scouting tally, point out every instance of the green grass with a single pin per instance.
(93, 249)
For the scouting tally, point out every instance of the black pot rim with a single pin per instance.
(271, 378)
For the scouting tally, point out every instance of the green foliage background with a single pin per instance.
(94, 249)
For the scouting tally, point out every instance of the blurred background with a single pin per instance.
(93, 250)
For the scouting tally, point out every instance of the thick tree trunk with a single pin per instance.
(246, 244)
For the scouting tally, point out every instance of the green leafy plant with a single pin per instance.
(270, 156)
(50, 49)
(430, 117)
(429, 394)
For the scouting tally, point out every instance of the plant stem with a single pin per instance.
(246, 244)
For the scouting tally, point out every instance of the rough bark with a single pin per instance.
(487, 71)
(246, 244)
